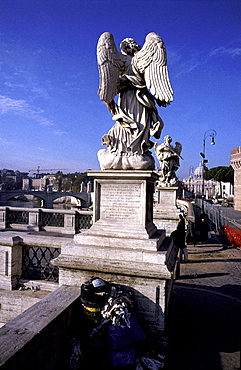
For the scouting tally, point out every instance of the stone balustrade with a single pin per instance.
(42, 219)
(11, 254)
(40, 337)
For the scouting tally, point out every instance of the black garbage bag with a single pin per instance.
(122, 358)
(122, 336)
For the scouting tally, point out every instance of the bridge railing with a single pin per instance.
(36, 263)
(27, 256)
(43, 336)
(43, 219)
(219, 215)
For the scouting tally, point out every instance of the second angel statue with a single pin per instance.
(140, 78)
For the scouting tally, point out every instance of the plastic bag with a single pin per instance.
(120, 337)
(122, 358)
(149, 363)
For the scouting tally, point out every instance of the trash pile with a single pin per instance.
(110, 310)
(113, 337)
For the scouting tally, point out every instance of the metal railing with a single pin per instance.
(36, 260)
(17, 217)
(43, 219)
(51, 219)
(84, 221)
(218, 215)
(36, 263)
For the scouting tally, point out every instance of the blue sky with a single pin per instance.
(50, 113)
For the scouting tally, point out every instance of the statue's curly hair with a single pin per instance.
(129, 46)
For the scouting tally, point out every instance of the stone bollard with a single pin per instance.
(10, 261)
(3, 218)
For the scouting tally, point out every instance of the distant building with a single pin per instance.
(10, 179)
(193, 183)
(36, 184)
(212, 189)
(236, 164)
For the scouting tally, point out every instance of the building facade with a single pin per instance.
(236, 164)
(212, 189)
(194, 182)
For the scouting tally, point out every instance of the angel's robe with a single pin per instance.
(135, 113)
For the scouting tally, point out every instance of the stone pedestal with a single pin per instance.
(124, 246)
(165, 210)
(10, 261)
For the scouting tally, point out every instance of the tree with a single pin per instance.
(79, 178)
(58, 180)
(70, 182)
(220, 173)
(9, 183)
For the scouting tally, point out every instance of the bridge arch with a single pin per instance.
(47, 197)
(13, 195)
(65, 195)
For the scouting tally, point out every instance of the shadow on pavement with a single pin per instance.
(205, 329)
(208, 275)
(213, 260)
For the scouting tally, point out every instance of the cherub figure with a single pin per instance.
(140, 78)
(168, 157)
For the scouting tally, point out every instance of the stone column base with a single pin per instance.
(165, 211)
(124, 247)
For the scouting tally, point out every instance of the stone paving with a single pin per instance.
(205, 331)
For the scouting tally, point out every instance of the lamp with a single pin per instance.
(212, 134)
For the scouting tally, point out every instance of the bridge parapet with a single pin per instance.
(43, 219)
(41, 335)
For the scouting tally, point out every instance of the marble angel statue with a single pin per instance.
(139, 77)
(168, 157)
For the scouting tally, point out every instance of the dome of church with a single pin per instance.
(199, 171)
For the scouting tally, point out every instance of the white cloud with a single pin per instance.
(5, 141)
(173, 57)
(60, 132)
(228, 51)
(187, 67)
(197, 60)
(22, 108)
(42, 149)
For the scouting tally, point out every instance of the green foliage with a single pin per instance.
(220, 173)
(78, 181)
(9, 184)
(71, 181)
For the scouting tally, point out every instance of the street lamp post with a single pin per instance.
(191, 170)
(212, 134)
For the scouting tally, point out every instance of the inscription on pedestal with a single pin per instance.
(121, 201)
(166, 198)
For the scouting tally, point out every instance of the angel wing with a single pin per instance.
(152, 62)
(178, 147)
(110, 63)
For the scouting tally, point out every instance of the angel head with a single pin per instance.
(167, 140)
(129, 47)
